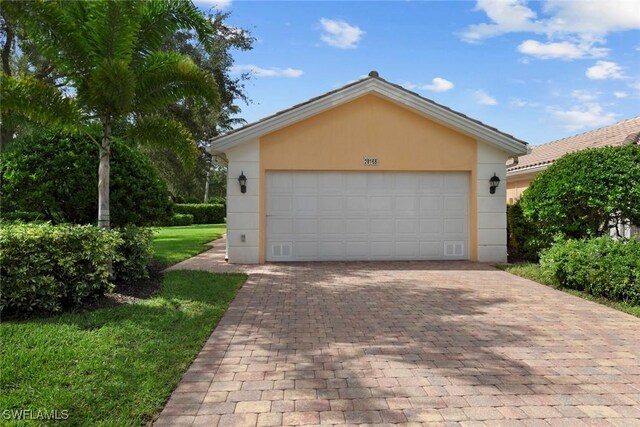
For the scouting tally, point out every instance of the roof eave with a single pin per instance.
(413, 101)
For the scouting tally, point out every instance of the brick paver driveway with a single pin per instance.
(410, 342)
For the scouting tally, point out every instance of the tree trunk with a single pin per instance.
(104, 220)
(206, 185)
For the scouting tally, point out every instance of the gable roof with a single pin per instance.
(370, 84)
(627, 131)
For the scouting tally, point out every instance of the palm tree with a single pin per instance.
(113, 69)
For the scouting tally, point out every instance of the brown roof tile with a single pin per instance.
(614, 135)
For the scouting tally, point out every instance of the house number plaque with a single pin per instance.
(371, 161)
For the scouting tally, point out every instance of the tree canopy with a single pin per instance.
(585, 194)
(111, 59)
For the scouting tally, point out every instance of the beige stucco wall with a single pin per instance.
(338, 139)
(515, 188)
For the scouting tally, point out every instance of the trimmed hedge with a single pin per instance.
(134, 254)
(181, 220)
(523, 242)
(203, 213)
(599, 266)
(46, 268)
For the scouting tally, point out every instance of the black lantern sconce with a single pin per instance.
(493, 183)
(243, 182)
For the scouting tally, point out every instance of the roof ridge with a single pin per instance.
(373, 75)
(586, 132)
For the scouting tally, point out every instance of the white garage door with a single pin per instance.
(323, 216)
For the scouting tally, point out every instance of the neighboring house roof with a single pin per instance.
(371, 84)
(541, 156)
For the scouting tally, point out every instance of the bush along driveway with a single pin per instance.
(111, 366)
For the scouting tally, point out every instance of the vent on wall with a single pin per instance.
(454, 248)
(281, 250)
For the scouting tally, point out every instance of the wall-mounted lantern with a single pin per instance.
(493, 183)
(243, 182)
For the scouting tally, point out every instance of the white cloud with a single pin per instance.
(573, 28)
(438, 84)
(218, 4)
(340, 34)
(506, 16)
(561, 50)
(584, 95)
(590, 115)
(620, 94)
(267, 72)
(605, 70)
(520, 103)
(483, 98)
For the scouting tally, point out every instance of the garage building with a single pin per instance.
(370, 171)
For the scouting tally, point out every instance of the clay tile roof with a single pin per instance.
(625, 132)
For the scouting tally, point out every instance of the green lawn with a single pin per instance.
(532, 272)
(174, 244)
(117, 366)
(114, 366)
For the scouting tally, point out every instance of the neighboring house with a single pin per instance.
(520, 174)
(370, 171)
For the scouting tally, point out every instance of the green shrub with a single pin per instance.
(20, 216)
(203, 213)
(134, 254)
(583, 193)
(600, 266)
(181, 219)
(218, 200)
(523, 242)
(55, 175)
(45, 268)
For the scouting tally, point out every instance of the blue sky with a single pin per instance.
(538, 70)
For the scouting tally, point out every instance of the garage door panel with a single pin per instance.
(406, 205)
(382, 248)
(411, 226)
(307, 250)
(305, 226)
(360, 226)
(455, 225)
(455, 204)
(431, 203)
(455, 183)
(382, 226)
(357, 204)
(279, 204)
(366, 216)
(380, 204)
(330, 183)
(280, 226)
(330, 204)
(408, 250)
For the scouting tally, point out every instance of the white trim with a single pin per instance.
(372, 85)
(528, 169)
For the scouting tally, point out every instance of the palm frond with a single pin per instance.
(38, 102)
(162, 18)
(166, 133)
(168, 77)
(53, 26)
(112, 28)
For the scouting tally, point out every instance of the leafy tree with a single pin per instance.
(52, 173)
(110, 54)
(585, 194)
(204, 120)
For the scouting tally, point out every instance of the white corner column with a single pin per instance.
(243, 209)
(492, 208)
